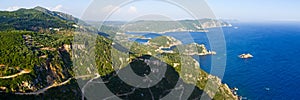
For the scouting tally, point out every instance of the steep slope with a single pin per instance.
(34, 20)
(60, 15)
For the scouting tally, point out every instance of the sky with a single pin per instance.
(242, 10)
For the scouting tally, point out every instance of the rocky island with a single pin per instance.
(245, 56)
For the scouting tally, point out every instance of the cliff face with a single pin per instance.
(210, 84)
(223, 92)
(188, 68)
(214, 23)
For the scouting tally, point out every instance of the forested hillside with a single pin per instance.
(38, 48)
(34, 20)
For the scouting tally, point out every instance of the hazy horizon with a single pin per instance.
(268, 10)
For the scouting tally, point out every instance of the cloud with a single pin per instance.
(132, 9)
(110, 8)
(118, 10)
(13, 8)
(57, 8)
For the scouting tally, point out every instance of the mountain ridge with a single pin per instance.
(35, 19)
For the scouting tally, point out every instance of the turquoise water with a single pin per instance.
(273, 73)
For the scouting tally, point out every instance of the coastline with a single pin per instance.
(205, 29)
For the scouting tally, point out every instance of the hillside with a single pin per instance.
(35, 19)
(38, 63)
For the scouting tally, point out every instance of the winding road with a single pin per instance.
(25, 71)
(46, 88)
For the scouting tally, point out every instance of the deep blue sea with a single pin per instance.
(276, 62)
(273, 72)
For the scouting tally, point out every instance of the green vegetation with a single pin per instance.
(32, 20)
(103, 55)
(14, 50)
(22, 50)
(15, 56)
(193, 49)
(153, 26)
(169, 26)
(164, 41)
(160, 41)
(28, 44)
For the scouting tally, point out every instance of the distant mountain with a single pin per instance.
(166, 26)
(35, 19)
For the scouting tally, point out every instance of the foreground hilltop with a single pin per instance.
(36, 19)
(36, 59)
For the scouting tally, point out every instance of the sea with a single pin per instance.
(274, 71)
